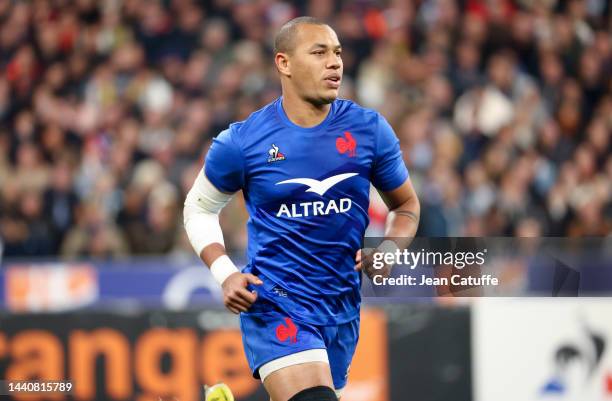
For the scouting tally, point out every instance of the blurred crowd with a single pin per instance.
(503, 109)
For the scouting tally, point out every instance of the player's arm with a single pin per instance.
(201, 218)
(390, 176)
(404, 211)
(222, 176)
(401, 225)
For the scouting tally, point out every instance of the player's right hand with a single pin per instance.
(236, 297)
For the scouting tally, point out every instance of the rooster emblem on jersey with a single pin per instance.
(347, 144)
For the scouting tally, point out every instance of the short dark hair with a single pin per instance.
(284, 42)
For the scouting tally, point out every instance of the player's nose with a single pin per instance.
(333, 62)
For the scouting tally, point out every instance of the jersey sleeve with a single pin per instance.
(224, 164)
(389, 169)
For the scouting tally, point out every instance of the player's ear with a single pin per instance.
(282, 63)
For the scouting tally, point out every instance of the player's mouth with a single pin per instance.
(333, 81)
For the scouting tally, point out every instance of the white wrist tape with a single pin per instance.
(201, 213)
(222, 268)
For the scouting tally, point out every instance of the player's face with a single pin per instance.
(316, 64)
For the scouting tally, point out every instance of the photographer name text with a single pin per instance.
(424, 280)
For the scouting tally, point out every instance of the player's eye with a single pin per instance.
(318, 52)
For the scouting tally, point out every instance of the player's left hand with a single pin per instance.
(365, 262)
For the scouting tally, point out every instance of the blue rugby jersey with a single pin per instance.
(307, 195)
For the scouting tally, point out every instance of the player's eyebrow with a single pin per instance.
(324, 46)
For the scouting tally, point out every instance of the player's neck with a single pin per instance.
(302, 112)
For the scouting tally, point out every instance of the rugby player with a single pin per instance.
(304, 164)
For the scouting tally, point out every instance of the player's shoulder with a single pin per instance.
(253, 123)
(349, 109)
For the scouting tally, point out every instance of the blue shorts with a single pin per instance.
(268, 333)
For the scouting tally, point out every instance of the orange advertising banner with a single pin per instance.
(157, 355)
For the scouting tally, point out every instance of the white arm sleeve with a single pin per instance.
(201, 219)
